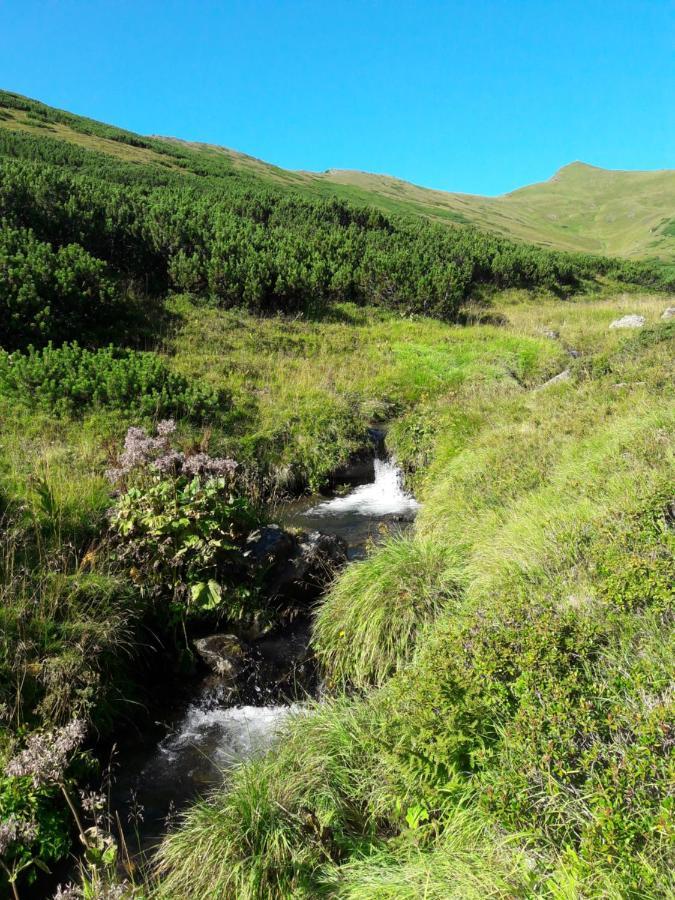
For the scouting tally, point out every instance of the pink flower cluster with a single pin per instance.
(16, 831)
(141, 450)
(47, 754)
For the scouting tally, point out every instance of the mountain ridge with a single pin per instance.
(581, 207)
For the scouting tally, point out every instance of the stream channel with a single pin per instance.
(203, 735)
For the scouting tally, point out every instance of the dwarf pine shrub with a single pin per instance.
(70, 380)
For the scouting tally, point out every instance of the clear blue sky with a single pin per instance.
(480, 96)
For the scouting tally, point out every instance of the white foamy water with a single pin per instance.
(385, 496)
(223, 736)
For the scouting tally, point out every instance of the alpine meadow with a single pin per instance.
(337, 528)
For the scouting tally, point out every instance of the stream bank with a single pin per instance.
(215, 722)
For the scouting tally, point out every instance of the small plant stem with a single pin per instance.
(10, 878)
(76, 816)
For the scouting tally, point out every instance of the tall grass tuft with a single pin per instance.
(367, 627)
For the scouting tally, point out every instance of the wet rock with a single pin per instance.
(632, 321)
(668, 313)
(270, 547)
(359, 470)
(223, 653)
(360, 467)
(294, 567)
(407, 516)
(321, 555)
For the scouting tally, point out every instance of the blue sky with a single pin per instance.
(478, 96)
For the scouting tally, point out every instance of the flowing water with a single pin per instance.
(204, 735)
(363, 514)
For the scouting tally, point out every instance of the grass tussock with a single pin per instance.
(284, 816)
(468, 861)
(367, 627)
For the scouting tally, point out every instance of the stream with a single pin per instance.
(204, 735)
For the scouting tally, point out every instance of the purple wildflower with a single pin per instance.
(165, 428)
(16, 831)
(92, 802)
(143, 450)
(170, 463)
(201, 464)
(47, 754)
(221, 467)
(196, 464)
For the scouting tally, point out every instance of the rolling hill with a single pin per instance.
(582, 207)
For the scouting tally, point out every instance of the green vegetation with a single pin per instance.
(179, 525)
(534, 699)
(70, 380)
(500, 710)
(582, 208)
(93, 241)
(48, 294)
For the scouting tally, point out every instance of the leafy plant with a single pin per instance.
(179, 526)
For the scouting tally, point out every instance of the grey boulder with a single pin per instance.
(633, 321)
(223, 653)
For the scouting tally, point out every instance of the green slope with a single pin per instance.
(582, 207)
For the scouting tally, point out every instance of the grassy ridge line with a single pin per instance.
(581, 208)
(531, 710)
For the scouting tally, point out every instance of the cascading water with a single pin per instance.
(360, 516)
(384, 496)
(208, 735)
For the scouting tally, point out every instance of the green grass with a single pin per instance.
(515, 651)
(303, 393)
(512, 655)
(582, 207)
(367, 626)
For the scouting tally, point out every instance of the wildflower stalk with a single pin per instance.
(76, 816)
(11, 877)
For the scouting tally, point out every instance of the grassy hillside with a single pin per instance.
(581, 208)
(502, 702)
(186, 333)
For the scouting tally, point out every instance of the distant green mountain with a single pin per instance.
(582, 207)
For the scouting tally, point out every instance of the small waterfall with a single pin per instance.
(385, 496)
(219, 737)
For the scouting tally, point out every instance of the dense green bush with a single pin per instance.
(202, 227)
(50, 294)
(179, 527)
(70, 380)
(180, 539)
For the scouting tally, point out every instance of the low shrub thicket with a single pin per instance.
(71, 380)
(74, 214)
(48, 294)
